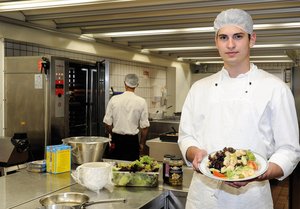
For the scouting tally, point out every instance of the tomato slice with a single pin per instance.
(252, 165)
(218, 174)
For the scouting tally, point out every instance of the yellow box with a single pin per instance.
(58, 158)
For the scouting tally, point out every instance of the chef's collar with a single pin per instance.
(225, 73)
(249, 76)
(128, 92)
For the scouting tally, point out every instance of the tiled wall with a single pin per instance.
(152, 77)
(15, 48)
(152, 80)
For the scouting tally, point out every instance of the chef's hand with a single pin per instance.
(142, 150)
(237, 184)
(273, 171)
(195, 155)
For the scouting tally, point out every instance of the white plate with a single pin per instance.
(263, 166)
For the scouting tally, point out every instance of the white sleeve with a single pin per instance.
(185, 137)
(286, 132)
(144, 119)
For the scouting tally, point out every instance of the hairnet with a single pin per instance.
(131, 80)
(236, 17)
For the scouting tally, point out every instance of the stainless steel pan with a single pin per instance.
(71, 200)
(56, 207)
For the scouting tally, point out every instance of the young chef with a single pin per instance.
(241, 106)
(126, 114)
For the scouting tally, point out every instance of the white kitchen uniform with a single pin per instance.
(127, 112)
(253, 111)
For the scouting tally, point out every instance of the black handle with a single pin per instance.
(103, 201)
(174, 129)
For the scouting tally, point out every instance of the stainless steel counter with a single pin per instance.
(22, 190)
(23, 186)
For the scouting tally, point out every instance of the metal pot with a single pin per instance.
(71, 200)
(86, 148)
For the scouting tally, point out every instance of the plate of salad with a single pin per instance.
(232, 164)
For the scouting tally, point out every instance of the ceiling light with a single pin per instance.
(216, 58)
(271, 56)
(182, 48)
(213, 47)
(156, 32)
(198, 58)
(209, 62)
(44, 4)
(262, 61)
(276, 25)
(191, 30)
(276, 45)
(253, 61)
(145, 51)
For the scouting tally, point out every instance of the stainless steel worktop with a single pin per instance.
(23, 186)
(23, 189)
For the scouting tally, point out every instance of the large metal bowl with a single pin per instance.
(86, 148)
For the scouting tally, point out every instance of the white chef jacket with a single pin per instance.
(127, 112)
(255, 111)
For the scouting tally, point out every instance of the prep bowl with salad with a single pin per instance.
(143, 172)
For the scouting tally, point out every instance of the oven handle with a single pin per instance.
(92, 83)
(86, 84)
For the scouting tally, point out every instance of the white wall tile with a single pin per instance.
(153, 82)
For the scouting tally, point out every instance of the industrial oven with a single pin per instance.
(51, 98)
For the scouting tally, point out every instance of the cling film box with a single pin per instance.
(58, 158)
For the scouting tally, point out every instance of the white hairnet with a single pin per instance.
(131, 80)
(236, 17)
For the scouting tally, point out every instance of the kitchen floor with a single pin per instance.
(280, 193)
